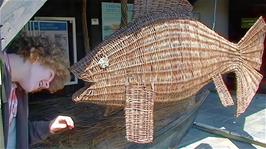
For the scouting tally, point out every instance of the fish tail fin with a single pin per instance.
(251, 48)
(248, 80)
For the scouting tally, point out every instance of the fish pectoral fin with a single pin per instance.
(225, 97)
(139, 113)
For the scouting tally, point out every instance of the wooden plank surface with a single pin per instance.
(14, 14)
(94, 130)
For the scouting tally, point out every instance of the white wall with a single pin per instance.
(205, 8)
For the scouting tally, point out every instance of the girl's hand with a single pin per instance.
(61, 124)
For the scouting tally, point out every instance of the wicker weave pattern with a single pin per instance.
(224, 94)
(143, 8)
(175, 56)
(180, 61)
(139, 114)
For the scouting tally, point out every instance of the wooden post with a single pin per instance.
(85, 26)
(123, 14)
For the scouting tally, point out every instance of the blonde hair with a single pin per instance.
(42, 50)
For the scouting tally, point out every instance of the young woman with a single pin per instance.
(36, 65)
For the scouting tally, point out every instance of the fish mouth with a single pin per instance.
(83, 93)
(77, 96)
(83, 70)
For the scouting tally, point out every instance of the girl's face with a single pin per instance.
(39, 78)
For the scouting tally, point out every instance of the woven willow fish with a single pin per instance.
(162, 56)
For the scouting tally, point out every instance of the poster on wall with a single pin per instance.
(60, 31)
(246, 23)
(56, 31)
(111, 17)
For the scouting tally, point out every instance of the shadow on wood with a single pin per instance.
(93, 130)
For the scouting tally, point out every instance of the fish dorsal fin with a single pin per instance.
(148, 7)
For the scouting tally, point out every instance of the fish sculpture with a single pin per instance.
(165, 55)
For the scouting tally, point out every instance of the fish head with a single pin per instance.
(91, 67)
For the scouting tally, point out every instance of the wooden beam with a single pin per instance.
(14, 15)
(227, 134)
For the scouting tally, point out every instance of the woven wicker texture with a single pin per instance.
(143, 8)
(139, 113)
(174, 56)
